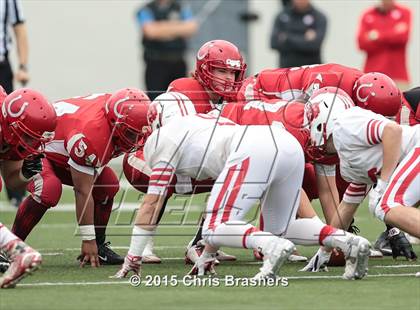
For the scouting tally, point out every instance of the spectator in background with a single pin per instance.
(11, 17)
(166, 25)
(298, 33)
(383, 34)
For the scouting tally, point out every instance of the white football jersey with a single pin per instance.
(357, 136)
(198, 148)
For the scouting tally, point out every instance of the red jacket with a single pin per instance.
(387, 52)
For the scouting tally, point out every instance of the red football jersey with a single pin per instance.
(291, 114)
(191, 88)
(292, 83)
(83, 135)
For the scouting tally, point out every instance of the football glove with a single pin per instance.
(204, 265)
(318, 262)
(31, 167)
(131, 263)
(400, 246)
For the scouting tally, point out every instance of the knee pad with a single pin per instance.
(46, 191)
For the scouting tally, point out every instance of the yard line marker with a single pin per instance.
(222, 280)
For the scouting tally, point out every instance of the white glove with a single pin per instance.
(204, 265)
(375, 195)
(318, 262)
(131, 264)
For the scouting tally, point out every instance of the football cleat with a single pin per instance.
(24, 261)
(382, 244)
(318, 262)
(4, 262)
(224, 257)
(148, 257)
(204, 265)
(275, 255)
(107, 256)
(357, 252)
(131, 264)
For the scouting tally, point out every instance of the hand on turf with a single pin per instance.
(203, 266)
(89, 253)
(376, 194)
(318, 262)
(400, 246)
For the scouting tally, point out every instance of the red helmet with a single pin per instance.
(220, 54)
(377, 92)
(28, 121)
(126, 111)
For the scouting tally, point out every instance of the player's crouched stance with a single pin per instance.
(372, 150)
(27, 122)
(247, 169)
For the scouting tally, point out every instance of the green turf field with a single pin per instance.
(61, 284)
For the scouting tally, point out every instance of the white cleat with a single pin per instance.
(275, 255)
(357, 257)
(24, 261)
(148, 256)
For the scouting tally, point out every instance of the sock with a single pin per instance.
(335, 238)
(198, 236)
(238, 234)
(6, 236)
(148, 250)
(28, 215)
(102, 214)
(139, 239)
(305, 231)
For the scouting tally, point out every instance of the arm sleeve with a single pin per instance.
(365, 44)
(278, 28)
(394, 37)
(144, 16)
(355, 193)
(15, 11)
(298, 42)
(160, 179)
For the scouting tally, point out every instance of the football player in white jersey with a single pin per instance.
(249, 164)
(373, 151)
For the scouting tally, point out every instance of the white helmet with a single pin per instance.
(168, 106)
(326, 104)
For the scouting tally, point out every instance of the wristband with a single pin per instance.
(87, 232)
(381, 185)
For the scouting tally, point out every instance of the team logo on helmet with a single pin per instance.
(233, 63)
(8, 110)
(359, 88)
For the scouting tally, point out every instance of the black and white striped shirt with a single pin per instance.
(10, 15)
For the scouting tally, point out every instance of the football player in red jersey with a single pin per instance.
(27, 122)
(219, 73)
(91, 131)
(374, 91)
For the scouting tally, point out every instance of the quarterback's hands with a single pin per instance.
(203, 266)
(31, 167)
(89, 253)
(131, 263)
(376, 194)
(400, 246)
(318, 262)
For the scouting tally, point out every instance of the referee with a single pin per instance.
(11, 18)
(12, 23)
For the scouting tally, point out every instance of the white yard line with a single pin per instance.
(395, 266)
(222, 280)
(114, 247)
